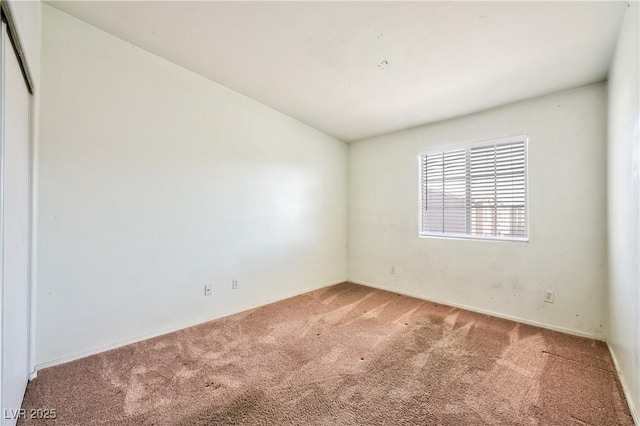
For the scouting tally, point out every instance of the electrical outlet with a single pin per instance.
(234, 284)
(207, 290)
(393, 269)
(548, 296)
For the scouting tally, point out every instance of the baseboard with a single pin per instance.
(488, 312)
(179, 327)
(625, 389)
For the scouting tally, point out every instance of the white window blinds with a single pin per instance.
(477, 192)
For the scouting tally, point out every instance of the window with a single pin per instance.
(478, 191)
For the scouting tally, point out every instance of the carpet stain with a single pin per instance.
(375, 312)
(347, 355)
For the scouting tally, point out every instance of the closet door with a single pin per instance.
(15, 205)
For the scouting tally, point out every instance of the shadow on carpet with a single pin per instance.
(343, 355)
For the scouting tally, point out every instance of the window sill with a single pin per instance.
(474, 238)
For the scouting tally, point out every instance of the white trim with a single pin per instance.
(33, 230)
(3, 43)
(446, 236)
(487, 312)
(625, 388)
(168, 330)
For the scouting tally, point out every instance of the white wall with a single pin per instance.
(566, 252)
(154, 181)
(624, 207)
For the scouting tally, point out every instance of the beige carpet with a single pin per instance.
(343, 355)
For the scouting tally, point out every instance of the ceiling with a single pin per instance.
(360, 69)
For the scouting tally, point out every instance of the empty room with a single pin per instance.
(319, 213)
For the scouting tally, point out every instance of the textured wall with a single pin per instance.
(566, 251)
(624, 206)
(154, 181)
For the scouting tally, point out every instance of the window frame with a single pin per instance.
(476, 144)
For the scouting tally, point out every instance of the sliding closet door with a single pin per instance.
(15, 206)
